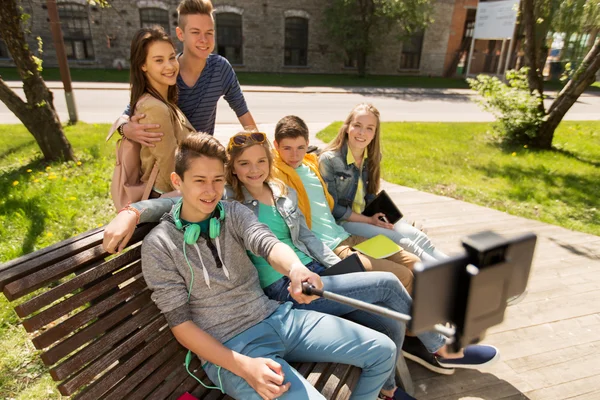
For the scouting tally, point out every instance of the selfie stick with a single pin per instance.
(310, 290)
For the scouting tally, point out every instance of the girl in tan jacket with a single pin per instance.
(153, 75)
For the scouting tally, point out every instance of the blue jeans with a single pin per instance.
(381, 288)
(302, 336)
(407, 236)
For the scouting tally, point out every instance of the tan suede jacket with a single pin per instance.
(174, 126)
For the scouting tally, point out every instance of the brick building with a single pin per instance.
(257, 36)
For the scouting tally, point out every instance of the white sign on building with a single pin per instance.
(496, 19)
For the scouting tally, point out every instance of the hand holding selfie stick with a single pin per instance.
(470, 290)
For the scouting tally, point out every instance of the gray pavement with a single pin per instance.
(103, 102)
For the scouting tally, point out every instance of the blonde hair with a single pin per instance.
(235, 152)
(192, 7)
(197, 145)
(373, 149)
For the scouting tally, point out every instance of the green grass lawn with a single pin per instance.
(558, 187)
(278, 79)
(43, 203)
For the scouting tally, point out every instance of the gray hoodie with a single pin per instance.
(224, 301)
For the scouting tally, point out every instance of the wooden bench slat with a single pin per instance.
(122, 390)
(103, 344)
(100, 326)
(351, 379)
(188, 385)
(86, 375)
(70, 325)
(154, 380)
(317, 375)
(215, 395)
(200, 391)
(54, 272)
(39, 259)
(304, 368)
(30, 306)
(171, 383)
(332, 384)
(115, 375)
(64, 307)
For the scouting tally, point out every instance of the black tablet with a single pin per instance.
(347, 265)
(384, 204)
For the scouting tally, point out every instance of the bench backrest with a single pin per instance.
(101, 334)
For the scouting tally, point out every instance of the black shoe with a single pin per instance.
(399, 394)
(416, 351)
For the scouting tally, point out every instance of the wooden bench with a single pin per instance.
(102, 336)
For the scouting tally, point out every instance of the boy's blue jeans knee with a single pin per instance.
(290, 335)
(381, 288)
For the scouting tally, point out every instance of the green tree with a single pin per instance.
(584, 75)
(357, 26)
(518, 103)
(37, 113)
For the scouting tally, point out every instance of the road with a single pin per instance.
(99, 105)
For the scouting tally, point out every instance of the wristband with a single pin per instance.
(120, 130)
(136, 211)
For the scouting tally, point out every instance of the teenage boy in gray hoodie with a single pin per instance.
(215, 307)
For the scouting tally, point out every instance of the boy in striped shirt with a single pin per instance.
(203, 78)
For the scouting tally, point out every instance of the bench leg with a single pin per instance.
(403, 376)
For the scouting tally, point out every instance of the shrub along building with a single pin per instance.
(284, 36)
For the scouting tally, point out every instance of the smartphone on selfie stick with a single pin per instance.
(468, 291)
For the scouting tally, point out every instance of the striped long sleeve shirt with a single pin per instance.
(199, 102)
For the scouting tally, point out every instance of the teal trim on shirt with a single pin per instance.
(269, 216)
(323, 224)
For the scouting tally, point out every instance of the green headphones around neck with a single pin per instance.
(192, 231)
(190, 236)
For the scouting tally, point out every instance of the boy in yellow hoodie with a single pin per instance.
(300, 171)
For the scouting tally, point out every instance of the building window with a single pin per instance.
(296, 41)
(229, 37)
(350, 59)
(75, 25)
(150, 17)
(411, 52)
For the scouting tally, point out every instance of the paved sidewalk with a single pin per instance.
(54, 85)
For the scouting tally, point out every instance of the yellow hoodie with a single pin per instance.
(290, 177)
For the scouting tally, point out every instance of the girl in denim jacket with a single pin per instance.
(351, 169)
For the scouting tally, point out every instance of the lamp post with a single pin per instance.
(61, 55)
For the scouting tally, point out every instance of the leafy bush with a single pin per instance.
(515, 108)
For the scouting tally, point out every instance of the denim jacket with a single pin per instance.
(342, 181)
(302, 237)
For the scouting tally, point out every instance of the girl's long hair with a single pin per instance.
(137, 78)
(235, 152)
(373, 149)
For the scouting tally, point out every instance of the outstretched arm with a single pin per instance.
(118, 232)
